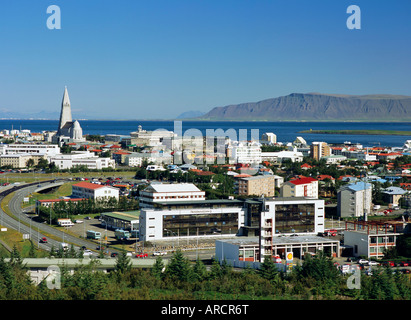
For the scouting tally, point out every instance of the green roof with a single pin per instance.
(126, 215)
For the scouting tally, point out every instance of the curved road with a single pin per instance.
(25, 225)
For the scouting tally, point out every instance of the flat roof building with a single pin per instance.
(170, 193)
(256, 185)
(244, 249)
(128, 220)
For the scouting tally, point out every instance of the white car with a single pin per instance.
(159, 253)
(373, 263)
(362, 261)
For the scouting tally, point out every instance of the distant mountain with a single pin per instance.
(7, 114)
(190, 114)
(318, 107)
(41, 115)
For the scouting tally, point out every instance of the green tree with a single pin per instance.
(199, 271)
(123, 262)
(178, 268)
(268, 269)
(158, 268)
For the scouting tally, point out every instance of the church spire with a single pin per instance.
(65, 115)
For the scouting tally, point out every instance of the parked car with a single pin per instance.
(404, 264)
(362, 261)
(373, 263)
(43, 240)
(389, 263)
(114, 254)
(141, 255)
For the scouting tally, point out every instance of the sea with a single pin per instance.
(285, 131)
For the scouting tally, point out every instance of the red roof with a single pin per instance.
(88, 185)
(324, 176)
(306, 165)
(305, 180)
(242, 175)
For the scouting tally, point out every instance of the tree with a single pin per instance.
(199, 271)
(178, 268)
(269, 270)
(158, 268)
(123, 262)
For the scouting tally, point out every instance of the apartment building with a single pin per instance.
(319, 150)
(354, 199)
(302, 187)
(256, 185)
(20, 160)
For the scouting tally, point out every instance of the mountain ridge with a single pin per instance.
(318, 107)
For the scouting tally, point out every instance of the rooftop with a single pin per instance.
(305, 180)
(88, 185)
(173, 187)
(277, 240)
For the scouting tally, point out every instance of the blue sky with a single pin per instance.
(147, 59)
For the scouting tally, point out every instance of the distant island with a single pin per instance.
(360, 132)
(317, 107)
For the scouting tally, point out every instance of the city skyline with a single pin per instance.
(157, 60)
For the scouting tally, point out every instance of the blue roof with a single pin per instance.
(394, 190)
(359, 186)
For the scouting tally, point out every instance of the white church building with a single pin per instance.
(68, 130)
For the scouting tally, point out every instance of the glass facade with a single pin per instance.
(200, 224)
(294, 218)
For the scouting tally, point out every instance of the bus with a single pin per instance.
(91, 234)
(121, 234)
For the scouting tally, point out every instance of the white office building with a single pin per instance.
(42, 149)
(267, 218)
(191, 219)
(81, 158)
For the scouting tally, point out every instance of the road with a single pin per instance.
(23, 223)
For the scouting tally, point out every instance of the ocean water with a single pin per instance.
(285, 131)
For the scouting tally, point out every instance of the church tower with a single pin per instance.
(65, 114)
(68, 130)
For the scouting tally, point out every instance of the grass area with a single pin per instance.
(62, 191)
(360, 132)
(13, 238)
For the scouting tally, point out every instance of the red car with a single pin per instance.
(404, 264)
(43, 240)
(141, 255)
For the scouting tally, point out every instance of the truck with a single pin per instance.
(122, 235)
(91, 234)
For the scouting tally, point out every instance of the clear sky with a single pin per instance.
(147, 59)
